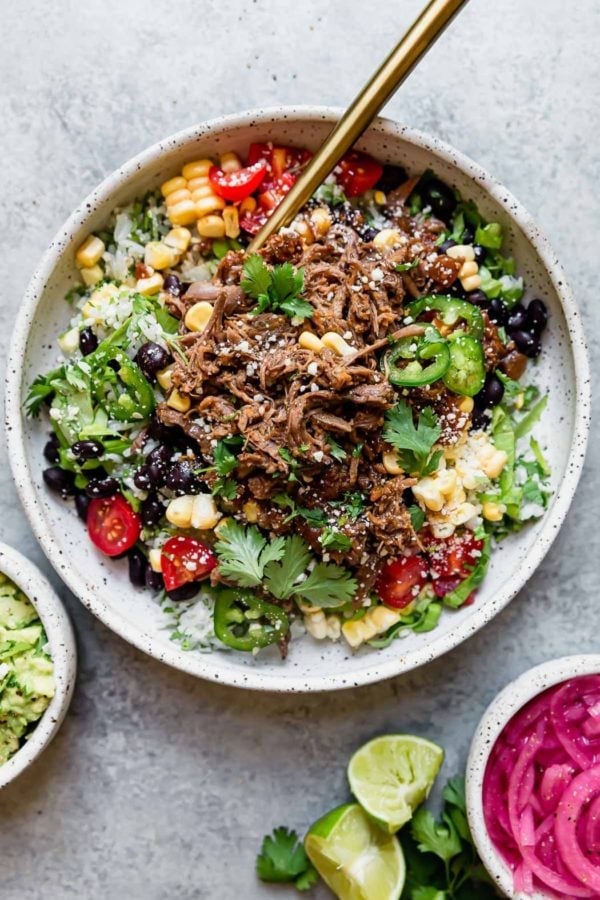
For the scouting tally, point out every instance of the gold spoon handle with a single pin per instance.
(387, 79)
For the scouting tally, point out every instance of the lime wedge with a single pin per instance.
(392, 775)
(354, 857)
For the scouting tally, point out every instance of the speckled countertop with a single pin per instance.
(160, 786)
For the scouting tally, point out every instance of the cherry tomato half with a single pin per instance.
(397, 582)
(271, 195)
(112, 524)
(358, 172)
(236, 186)
(279, 159)
(455, 556)
(184, 559)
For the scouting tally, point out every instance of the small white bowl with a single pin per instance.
(63, 650)
(500, 711)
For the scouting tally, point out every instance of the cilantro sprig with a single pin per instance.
(413, 442)
(276, 290)
(281, 567)
(283, 860)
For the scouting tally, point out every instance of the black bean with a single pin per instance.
(478, 298)
(173, 285)
(185, 592)
(87, 341)
(157, 473)
(391, 178)
(59, 480)
(537, 316)
(527, 343)
(151, 511)
(82, 502)
(447, 244)
(154, 580)
(479, 252)
(480, 418)
(51, 450)
(368, 233)
(492, 392)
(498, 312)
(457, 290)
(159, 431)
(160, 454)
(102, 487)
(87, 449)
(468, 235)
(181, 477)
(137, 567)
(151, 358)
(142, 479)
(517, 318)
(439, 197)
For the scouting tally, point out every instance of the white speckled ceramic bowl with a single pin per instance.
(63, 650)
(500, 711)
(103, 585)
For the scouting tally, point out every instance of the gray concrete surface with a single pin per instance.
(160, 786)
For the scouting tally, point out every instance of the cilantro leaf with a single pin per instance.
(407, 266)
(440, 838)
(278, 289)
(225, 487)
(328, 585)
(335, 540)
(414, 442)
(282, 575)
(335, 450)
(224, 460)
(417, 517)
(245, 552)
(283, 859)
(41, 389)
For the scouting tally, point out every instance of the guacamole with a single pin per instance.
(26, 669)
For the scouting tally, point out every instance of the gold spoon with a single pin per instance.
(387, 79)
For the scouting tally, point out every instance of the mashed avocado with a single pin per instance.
(26, 670)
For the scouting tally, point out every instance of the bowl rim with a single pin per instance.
(197, 664)
(63, 650)
(500, 711)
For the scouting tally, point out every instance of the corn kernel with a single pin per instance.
(149, 286)
(183, 213)
(178, 401)
(387, 239)
(375, 621)
(198, 316)
(304, 230)
(336, 342)
(200, 193)
(179, 511)
(69, 341)
(230, 162)
(165, 377)
(172, 185)
(379, 198)
(91, 275)
(391, 464)
(320, 219)
(471, 283)
(207, 205)
(159, 256)
(334, 627)
(205, 514)
(461, 251)
(248, 205)
(493, 512)
(211, 226)
(232, 221)
(251, 511)
(469, 267)
(196, 184)
(519, 401)
(177, 197)
(310, 341)
(316, 624)
(90, 252)
(178, 238)
(197, 168)
(466, 405)
(494, 463)
(155, 559)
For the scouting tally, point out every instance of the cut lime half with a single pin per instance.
(354, 857)
(392, 775)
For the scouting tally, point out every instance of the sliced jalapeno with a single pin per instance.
(466, 373)
(244, 622)
(120, 387)
(451, 312)
(415, 361)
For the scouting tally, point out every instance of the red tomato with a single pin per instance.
(112, 524)
(185, 559)
(278, 159)
(253, 222)
(443, 586)
(271, 196)
(455, 556)
(236, 186)
(358, 172)
(400, 581)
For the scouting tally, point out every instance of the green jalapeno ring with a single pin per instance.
(429, 347)
(466, 373)
(452, 310)
(245, 622)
